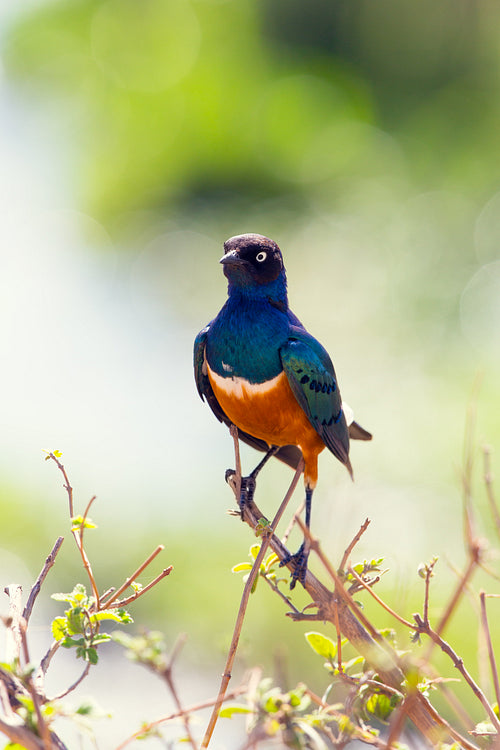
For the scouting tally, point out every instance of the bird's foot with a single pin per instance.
(299, 559)
(247, 488)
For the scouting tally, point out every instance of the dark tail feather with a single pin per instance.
(356, 432)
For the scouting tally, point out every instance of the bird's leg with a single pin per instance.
(248, 483)
(301, 556)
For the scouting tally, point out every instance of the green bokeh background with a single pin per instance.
(363, 137)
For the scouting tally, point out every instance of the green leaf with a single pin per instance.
(379, 704)
(241, 566)
(322, 645)
(92, 656)
(68, 642)
(79, 522)
(59, 628)
(62, 597)
(229, 711)
(116, 615)
(76, 620)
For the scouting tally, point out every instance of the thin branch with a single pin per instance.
(13, 637)
(35, 589)
(380, 656)
(429, 570)
(491, 653)
(132, 598)
(42, 725)
(244, 603)
(398, 719)
(135, 574)
(488, 482)
(179, 714)
(293, 522)
(74, 685)
(462, 585)
(459, 664)
(21, 735)
(368, 588)
(339, 585)
(353, 543)
(66, 485)
(168, 677)
(77, 531)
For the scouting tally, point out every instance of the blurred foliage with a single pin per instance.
(167, 101)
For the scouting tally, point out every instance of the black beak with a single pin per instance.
(231, 258)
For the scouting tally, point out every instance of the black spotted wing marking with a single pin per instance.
(313, 382)
(289, 454)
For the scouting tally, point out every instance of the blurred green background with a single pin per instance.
(135, 137)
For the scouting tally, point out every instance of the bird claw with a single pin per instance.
(247, 489)
(299, 560)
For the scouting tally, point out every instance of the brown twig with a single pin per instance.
(244, 601)
(42, 726)
(35, 589)
(77, 531)
(293, 521)
(74, 685)
(13, 638)
(353, 543)
(132, 598)
(460, 666)
(168, 677)
(179, 714)
(488, 483)
(135, 574)
(491, 653)
(379, 600)
(429, 571)
(382, 659)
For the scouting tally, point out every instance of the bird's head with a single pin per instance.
(253, 261)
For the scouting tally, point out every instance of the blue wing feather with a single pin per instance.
(312, 379)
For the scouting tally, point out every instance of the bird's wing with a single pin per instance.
(289, 454)
(312, 379)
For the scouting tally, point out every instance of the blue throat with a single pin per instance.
(245, 338)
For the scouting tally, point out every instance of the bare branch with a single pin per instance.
(35, 589)
(244, 602)
(353, 543)
(179, 714)
(134, 576)
(368, 588)
(491, 653)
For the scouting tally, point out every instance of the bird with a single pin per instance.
(259, 369)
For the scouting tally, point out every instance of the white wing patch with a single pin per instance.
(348, 413)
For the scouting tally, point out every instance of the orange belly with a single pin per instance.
(272, 413)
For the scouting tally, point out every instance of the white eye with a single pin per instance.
(260, 257)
